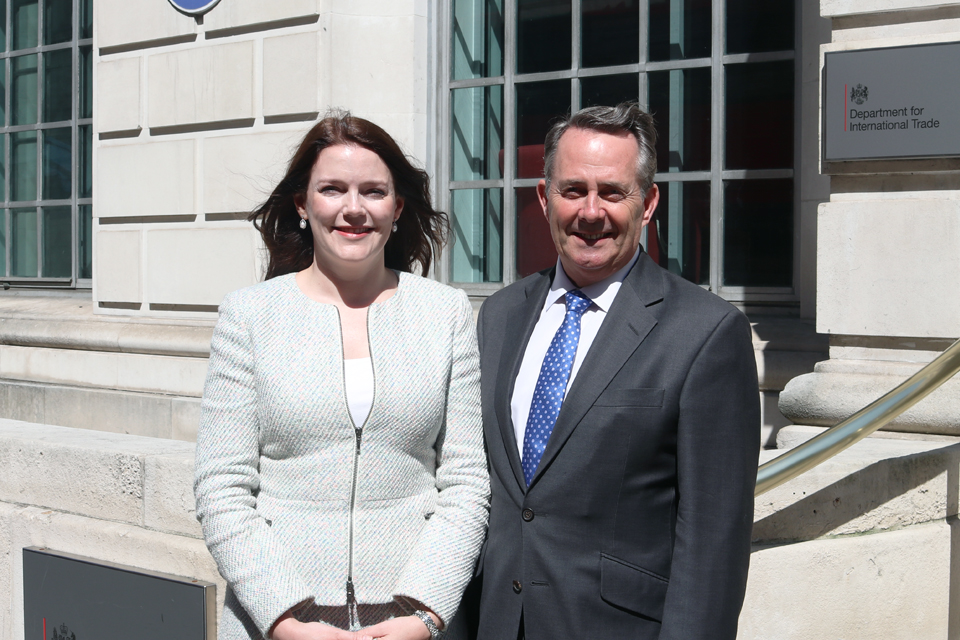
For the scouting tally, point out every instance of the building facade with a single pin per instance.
(137, 137)
(180, 125)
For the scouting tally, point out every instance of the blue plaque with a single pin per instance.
(194, 7)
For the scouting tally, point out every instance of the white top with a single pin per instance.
(601, 295)
(358, 382)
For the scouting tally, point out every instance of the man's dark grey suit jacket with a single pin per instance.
(637, 522)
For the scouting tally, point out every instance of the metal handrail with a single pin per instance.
(861, 424)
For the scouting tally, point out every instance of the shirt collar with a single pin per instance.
(600, 293)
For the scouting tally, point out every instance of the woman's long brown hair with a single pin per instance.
(421, 230)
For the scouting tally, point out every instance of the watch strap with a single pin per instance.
(428, 621)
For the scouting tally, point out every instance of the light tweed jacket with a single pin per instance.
(276, 447)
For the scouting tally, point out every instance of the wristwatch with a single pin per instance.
(427, 620)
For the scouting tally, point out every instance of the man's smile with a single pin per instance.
(592, 237)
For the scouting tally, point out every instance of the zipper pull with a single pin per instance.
(359, 433)
(352, 611)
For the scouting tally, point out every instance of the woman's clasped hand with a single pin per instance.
(402, 628)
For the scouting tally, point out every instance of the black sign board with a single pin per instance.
(896, 102)
(69, 597)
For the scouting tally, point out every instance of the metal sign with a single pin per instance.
(897, 102)
(69, 597)
(194, 7)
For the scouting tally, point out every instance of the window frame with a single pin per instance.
(716, 175)
(75, 122)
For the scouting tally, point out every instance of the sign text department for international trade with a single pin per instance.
(899, 102)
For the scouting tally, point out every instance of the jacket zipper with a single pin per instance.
(352, 608)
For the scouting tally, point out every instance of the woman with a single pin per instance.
(340, 478)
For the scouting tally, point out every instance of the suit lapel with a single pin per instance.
(518, 325)
(627, 324)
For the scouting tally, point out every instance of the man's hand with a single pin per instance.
(289, 628)
(403, 628)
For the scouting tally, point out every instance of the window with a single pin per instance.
(46, 139)
(717, 76)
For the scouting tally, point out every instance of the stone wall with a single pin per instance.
(120, 498)
(62, 364)
(888, 250)
(865, 546)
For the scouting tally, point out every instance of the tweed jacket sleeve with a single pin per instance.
(227, 479)
(442, 560)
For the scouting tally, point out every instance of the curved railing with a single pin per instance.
(861, 424)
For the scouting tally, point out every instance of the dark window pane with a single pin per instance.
(23, 245)
(85, 170)
(477, 132)
(57, 21)
(609, 90)
(3, 28)
(86, 82)
(24, 98)
(3, 242)
(23, 23)
(477, 38)
(57, 92)
(85, 241)
(56, 163)
(3, 167)
(543, 35)
(679, 29)
(758, 233)
(56, 242)
(477, 220)
(23, 175)
(86, 19)
(535, 250)
(678, 237)
(3, 92)
(759, 25)
(610, 32)
(3, 170)
(759, 115)
(680, 104)
(539, 104)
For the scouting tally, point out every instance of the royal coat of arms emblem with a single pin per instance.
(63, 633)
(859, 94)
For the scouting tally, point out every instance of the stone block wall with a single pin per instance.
(195, 120)
(864, 546)
(61, 364)
(116, 498)
(888, 241)
(889, 236)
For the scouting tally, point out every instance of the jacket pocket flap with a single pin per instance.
(630, 398)
(632, 588)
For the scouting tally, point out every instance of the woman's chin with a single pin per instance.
(352, 257)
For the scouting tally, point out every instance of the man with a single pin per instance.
(621, 414)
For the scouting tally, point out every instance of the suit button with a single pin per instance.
(517, 587)
(527, 515)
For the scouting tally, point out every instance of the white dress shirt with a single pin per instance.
(601, 295)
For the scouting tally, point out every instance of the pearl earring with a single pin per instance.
(303, 223)
(394, 226)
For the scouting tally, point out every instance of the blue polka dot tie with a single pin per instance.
(552, 383)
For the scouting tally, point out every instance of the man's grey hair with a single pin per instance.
(626, 117)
